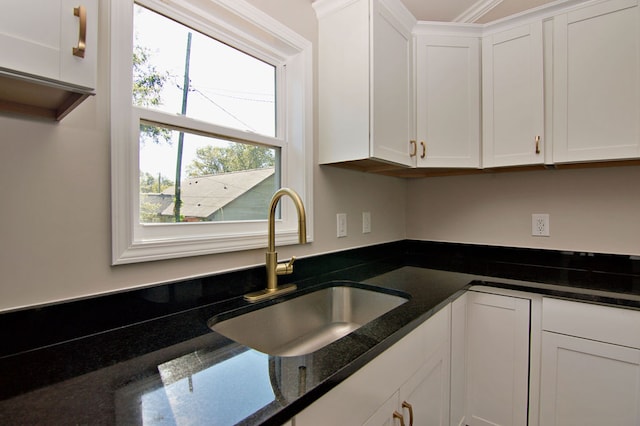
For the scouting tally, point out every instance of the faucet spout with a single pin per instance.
(273, 267)
(302, 217)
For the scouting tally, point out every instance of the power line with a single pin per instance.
(224, 110)
(218, 92)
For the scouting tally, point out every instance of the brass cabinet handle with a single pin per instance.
(424, 149)
(397, 415)
(537, 144)
(408, 406)
(81, 12)
(414, 149)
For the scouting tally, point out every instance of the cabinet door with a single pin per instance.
(497, 359)
(513, 97)
(387, 414)
(423, 400)
(30, 37)
(596, 80)
(588, 383)
(38, 37)
(343, 83)
(448, 101)
(426, 395)
(458, 380)
(357, 398)
(76, 70)
(390, 87)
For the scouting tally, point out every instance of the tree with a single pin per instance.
(149, 213)
(150, 183)
(148, 82)
(212, 160)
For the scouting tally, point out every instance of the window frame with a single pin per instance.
(240, 25)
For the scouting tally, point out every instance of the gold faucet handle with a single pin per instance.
(285, 268)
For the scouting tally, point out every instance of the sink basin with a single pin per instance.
(308, 322)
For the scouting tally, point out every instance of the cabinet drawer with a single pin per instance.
(619, 326)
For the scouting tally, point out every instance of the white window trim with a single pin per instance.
(243, 26)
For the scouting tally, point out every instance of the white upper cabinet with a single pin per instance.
(364, 62)
(557, 84)
(513, 97)
(448, 101)
(30, 38)
(596, 82)
(48, 55)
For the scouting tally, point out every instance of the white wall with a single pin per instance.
(592, 210)
(55, 207)
(55, 210)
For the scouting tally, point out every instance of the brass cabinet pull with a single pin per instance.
(414, 149)
(537, 144)
(81, 12)
(424, 149)
(397, 415)
(408, 406)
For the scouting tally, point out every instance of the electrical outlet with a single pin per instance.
(540, 225)
(366, 222)
(342, 224)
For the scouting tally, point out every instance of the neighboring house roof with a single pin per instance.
(203, 195)
(162, 200)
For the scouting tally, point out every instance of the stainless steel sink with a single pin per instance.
(306, 323)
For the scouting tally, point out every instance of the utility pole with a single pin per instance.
(185, 92)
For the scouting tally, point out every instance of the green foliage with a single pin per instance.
(149, 213)
(150, 183)
(212, 160)
(148, 82)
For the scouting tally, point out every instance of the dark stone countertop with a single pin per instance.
(172, 369)
(206, 378)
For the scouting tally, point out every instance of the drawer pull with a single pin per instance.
(408, 406)
(414, 148)
(397, 415)
(81, 12)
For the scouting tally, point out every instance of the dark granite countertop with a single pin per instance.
(172, 369)
(206, 378)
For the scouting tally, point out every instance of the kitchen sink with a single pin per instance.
(308, 322)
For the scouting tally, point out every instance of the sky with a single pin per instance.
(228, 88)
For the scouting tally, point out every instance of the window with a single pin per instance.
(210, 115)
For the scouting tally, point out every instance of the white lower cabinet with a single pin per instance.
(590, 365)
(499, 357)
(409, 379)
(490, 358)
(423, 399)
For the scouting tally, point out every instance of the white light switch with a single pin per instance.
(366, 222)
(342, 224)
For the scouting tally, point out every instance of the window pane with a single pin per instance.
(220, 180)
(180, 71)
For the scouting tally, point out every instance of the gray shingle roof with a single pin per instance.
(203, 195)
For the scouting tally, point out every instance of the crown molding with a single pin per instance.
(477, 10)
